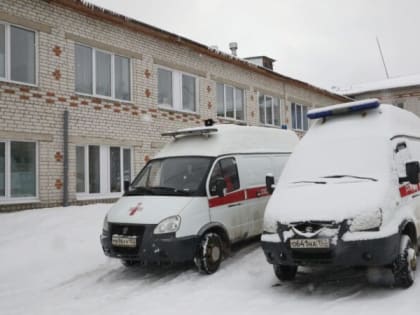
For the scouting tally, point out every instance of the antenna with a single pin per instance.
(382, 56)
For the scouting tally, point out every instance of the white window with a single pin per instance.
(230, 102)
(18, 171)
(299, 118)
(102, 170)
(17, 54)
(269, 108)
(102, 74)
(177, 90)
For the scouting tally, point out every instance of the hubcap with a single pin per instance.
(412, 259)
(215, 253)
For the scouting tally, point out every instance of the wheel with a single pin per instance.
(285, 272)
(209, 253)
(404, 266)
(129, 263)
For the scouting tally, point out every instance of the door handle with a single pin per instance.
(234, 205)
(415, 196)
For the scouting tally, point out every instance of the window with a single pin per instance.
(269, 110)
(177, 90)
(226, 169)
(17, 54)
(230, 102)
(99, 169)
(102, 73)
(18, 170)
(299, 118)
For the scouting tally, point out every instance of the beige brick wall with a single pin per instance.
(27, 110)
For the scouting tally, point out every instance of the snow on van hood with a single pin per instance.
(337, 200)
(149, 209)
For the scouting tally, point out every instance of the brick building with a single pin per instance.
(119, 83)
(403, 92)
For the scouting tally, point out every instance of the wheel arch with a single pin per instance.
(216, 228)
(408, 227)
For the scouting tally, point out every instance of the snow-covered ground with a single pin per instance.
(51, 262)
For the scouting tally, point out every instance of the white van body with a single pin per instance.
(344, 197)
(173, 211)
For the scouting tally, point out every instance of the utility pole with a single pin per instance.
(382, 56)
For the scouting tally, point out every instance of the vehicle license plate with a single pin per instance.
(124, 241)
(310, 243)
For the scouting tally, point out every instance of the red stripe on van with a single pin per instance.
(409, 189)
(229, 198)
(237, 196)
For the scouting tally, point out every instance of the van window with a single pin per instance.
(228, 170)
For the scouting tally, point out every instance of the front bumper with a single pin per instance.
(150, 248)
(372, 252)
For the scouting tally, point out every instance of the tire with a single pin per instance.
(129, 263)
(209, 253)
(404, 266)
(285, 272)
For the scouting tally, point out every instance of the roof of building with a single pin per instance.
(388, 84)
(96, 12)
(229, 139)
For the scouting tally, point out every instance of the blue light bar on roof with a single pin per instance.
(342, 109)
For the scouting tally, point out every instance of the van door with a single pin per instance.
(230, 209)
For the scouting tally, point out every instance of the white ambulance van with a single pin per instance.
(350, 193)
(202, 192)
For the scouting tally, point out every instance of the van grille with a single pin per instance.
(129, 230)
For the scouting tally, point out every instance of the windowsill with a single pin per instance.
(109, 99)
(271, 126)
(233, 120)
(170, 109)
(84, 196)
(15, 201)
(2, 80)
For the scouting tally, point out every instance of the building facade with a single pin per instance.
(403, 92)
(85, 94)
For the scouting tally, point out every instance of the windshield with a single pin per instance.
(322, 161)
(182, 176)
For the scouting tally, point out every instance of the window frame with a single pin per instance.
(235, 88)
(94, 94)
(272, 109)
(7, 198)
(213, 167)
(177, 100)
(7, 55)
(104, 170)
(302, 117)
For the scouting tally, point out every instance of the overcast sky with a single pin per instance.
(324, 42)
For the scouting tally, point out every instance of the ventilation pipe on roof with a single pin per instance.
(233, 48)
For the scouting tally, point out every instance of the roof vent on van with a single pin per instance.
(208, 122)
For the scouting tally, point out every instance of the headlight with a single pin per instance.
(368, 221)
(270, 226)
(105, 226)
(168, 225)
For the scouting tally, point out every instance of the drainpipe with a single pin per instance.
(66, 159)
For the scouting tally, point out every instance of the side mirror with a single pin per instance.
(412, 170)
(269, 183)
(220, 186)
(126, 185)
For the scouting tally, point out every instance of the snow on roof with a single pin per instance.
(392, 83)
(231, 139)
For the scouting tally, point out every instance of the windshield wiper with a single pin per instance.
(351, 176)
(172, 190)
(140, 190)
(309, 182)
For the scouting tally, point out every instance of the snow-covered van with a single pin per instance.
(202, 192)
(349, 194)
